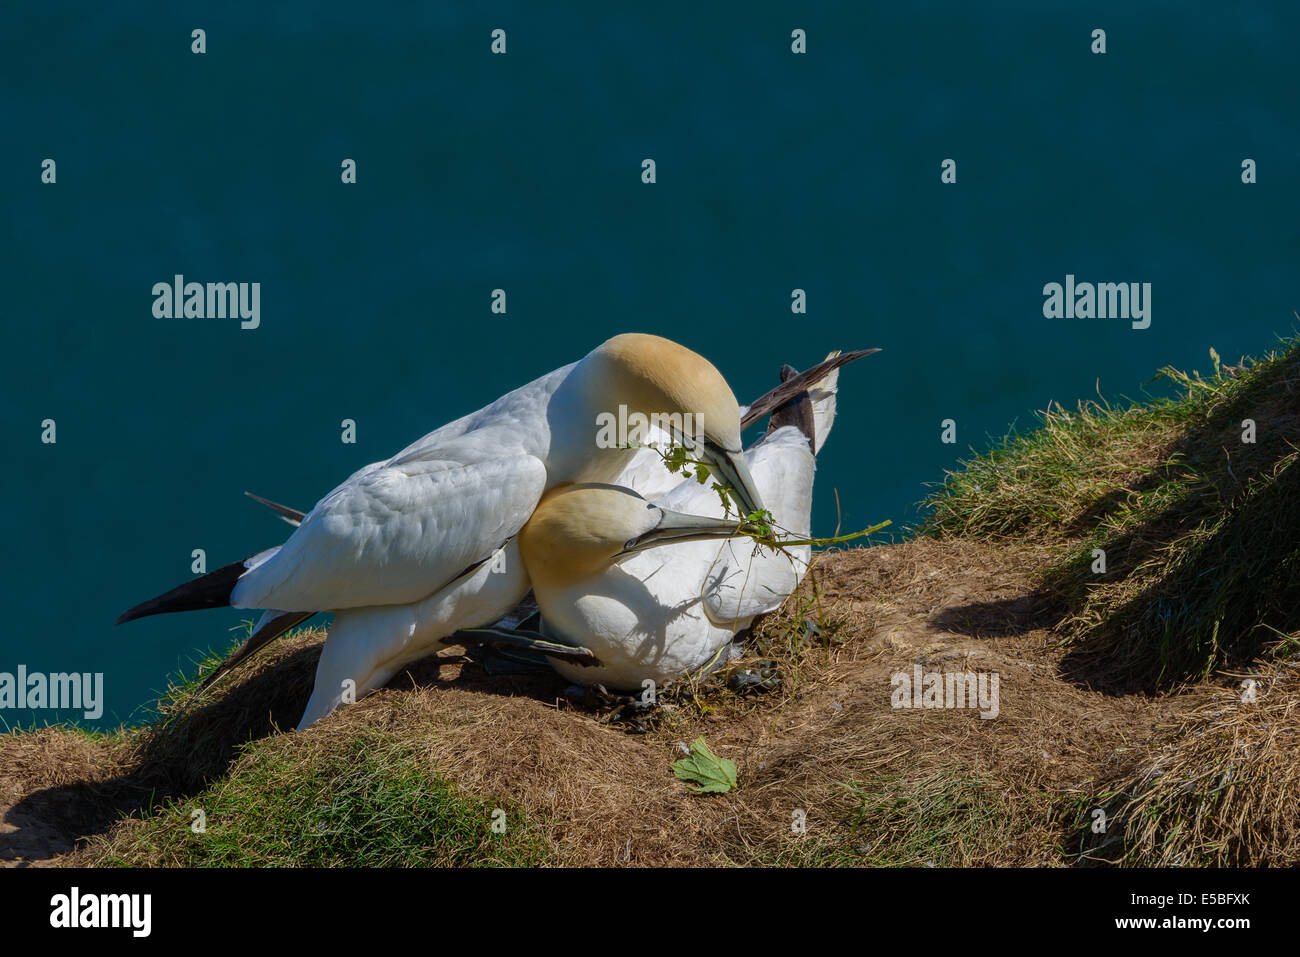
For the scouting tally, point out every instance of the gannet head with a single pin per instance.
(656, 377)
(578, 531)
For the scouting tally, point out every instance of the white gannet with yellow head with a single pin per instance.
(413, 548)
(649, 586)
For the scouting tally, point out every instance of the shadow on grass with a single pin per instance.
(1004, 618)
(1205, 570)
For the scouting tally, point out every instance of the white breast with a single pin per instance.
(644, 618)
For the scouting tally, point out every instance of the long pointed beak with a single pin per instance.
(679, 527)
(733, 471)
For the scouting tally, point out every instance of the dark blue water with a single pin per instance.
(775, 171)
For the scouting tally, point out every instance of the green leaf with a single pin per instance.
(716, 775)
(724, 496)
(763, 519)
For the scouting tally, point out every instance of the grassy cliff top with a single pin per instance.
(1180, 517)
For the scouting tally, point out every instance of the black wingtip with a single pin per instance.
(209, 591)
(142, 610)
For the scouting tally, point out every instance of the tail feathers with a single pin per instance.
(272, 625)
(803, 382)
(797, 410)
(822, 399)
(290, 515)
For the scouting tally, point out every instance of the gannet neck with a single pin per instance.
(578, 530)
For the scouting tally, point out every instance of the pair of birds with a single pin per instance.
(452, 532)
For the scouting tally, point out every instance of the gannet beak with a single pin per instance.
(733, 471)
(680, 527)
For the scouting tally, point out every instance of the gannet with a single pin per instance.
(647, 586)
(410, 549)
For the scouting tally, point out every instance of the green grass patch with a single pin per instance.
(949, 817)
(368, 800)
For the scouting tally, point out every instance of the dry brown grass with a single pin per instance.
(1222, 788)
